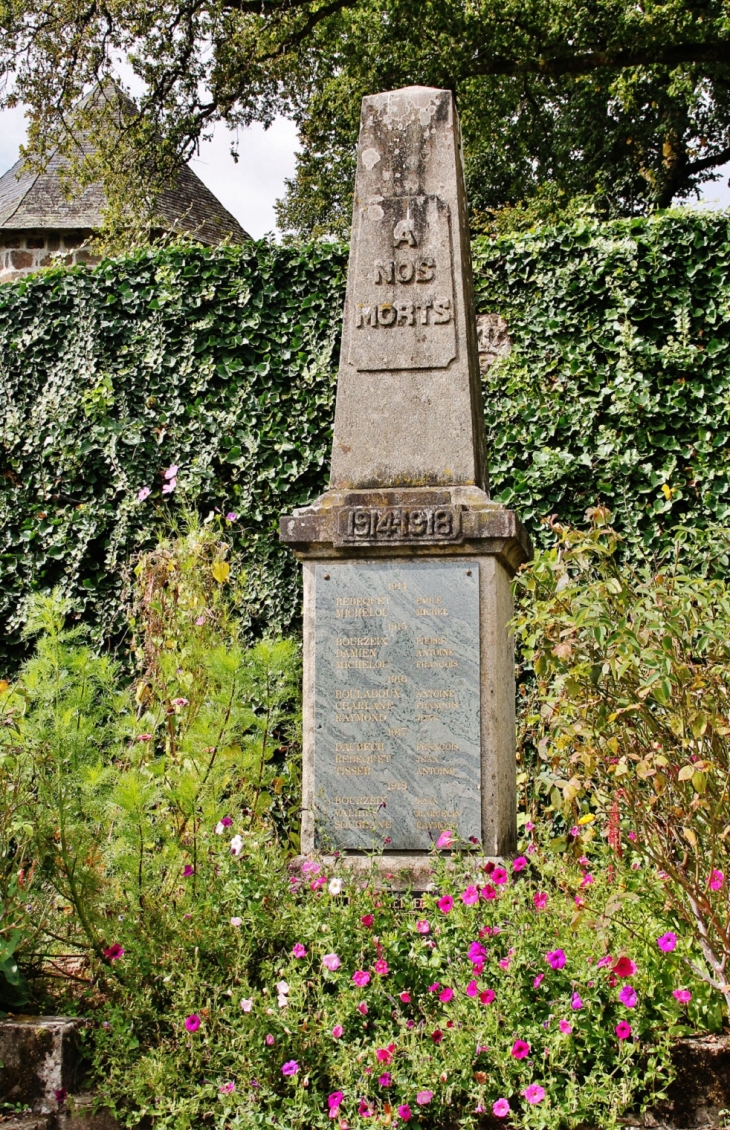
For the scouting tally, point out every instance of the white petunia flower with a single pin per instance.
(236, 845)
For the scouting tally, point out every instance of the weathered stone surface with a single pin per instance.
(493, 339)
(409, 405)
(397, 755)
(39, 1056)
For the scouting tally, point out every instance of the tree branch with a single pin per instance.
(588, 61)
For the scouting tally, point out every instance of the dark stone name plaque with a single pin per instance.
(397, 717)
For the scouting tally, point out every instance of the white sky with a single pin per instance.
(249, 188)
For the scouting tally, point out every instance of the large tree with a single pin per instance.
(625, 103)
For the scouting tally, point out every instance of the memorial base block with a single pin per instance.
(409, 724)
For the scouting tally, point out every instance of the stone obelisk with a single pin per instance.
(408, 662)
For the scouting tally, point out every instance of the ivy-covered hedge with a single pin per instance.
(224, 363)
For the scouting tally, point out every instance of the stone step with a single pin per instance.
(39, 1057)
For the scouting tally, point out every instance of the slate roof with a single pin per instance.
(35, 201)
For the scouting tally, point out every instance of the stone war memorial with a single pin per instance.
(408, 663)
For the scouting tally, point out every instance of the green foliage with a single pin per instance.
(218, 362)
(633, 687)
(223, 363)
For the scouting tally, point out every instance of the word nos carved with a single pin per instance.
(402, 304)
(396, 525)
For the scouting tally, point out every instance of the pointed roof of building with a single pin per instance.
(36, 201)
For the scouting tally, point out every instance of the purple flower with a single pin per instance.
(684, 996)
(667, 942)
(290, 1067)
(299, 950)
(628, 996)
(361, 978)
(555, 959)
(60, 1095)
(192, 1022)
(231, 516)
(188, 870)
(335, 1099)
(623, 1029)
(144, 493)
(227, 1088)
(520, 1049)
(576, 1002)
(385, 1079)
(476, 952)
(404, 1112)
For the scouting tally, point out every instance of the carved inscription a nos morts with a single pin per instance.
(397, 704)
(403, 293)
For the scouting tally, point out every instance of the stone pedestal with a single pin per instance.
(408, 664)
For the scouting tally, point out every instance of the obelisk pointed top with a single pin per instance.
(409, 409)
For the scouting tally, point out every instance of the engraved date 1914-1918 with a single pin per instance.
(389, 524)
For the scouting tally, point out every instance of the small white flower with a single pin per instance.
(335, 886)
(236, 845)
(282, 1001)
(246, 1005)
(220, 828)
(236, 921)
(282, 987)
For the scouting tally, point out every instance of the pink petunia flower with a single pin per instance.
(445, 840)
(486, 996)
(555, 959)
(309, 867)
(334, 1100)
(565, 1027)
(299, 950)
(423, 926)
(716, 880)
(628, 996)
(604, 961)
(667, 942)
(534, 1094)
(476, 952)
(576, 1003)
(338, 1031)
(246, 1004)
(381, 967)
(684, 996)
(445, 904)
(499, 876)
(519, 864)
(114, 952)
(269, 1039)
(404, 1112)
(385, 1055)
(188, 870)
(520, 1049)
(172, 471)
(446, 995)
(168, 488)
(227, 1088)
(290, 1067)
(362, 1008)
(488, 892)
(180, 702)
(367, 919)
(501, 1108)
(472, 990)
(529, 826)
(332, 962)
(385, 1079)
(470, 896)
(144, 737)
(192, 1022)
(623, 1029)
(540, 900)
(361, 978)
(231, 516)
(587, 880)
(144, 493)
(423, 1098)
(236, 921)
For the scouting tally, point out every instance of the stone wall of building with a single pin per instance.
(23, 252)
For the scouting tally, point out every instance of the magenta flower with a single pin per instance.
(604, 961)
(361, 978)
(716, 880)
(423, 1098)
(486, 996)
(470, 896)
(445, 904)
(385, 1055)
(367, 919)
(501, 1108)
(188, 870)
(269, 1040)
(576, 1003)
(667, 942)
(519, 864)
(534, 1094)
(192, 1022)
(332, 962)
(320, 882)
(555, 959)
(404, 1112)
(565, 1027)
(499, 876)
(446, 995)
(445, 840)
(405, 997)
(227, 1088)
(364, 1109)
(290, 1067)
(114, 952)
(299, 950)
(540, 900)
(381, 967)
(434, 988)
(437, 1035)
(335, 1099)
(60, 1095)
(362, 1008)
(586, 881)
(385, 1079)
(684, 996)
(624, 968)
(144, 493)
(538, 981)
(309, 867)
(520, 1049)
(423, 926)
(623, 1029)
(231, 516)
(628, 996)
(472, 989)
(476, 952)
(338, 1031)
